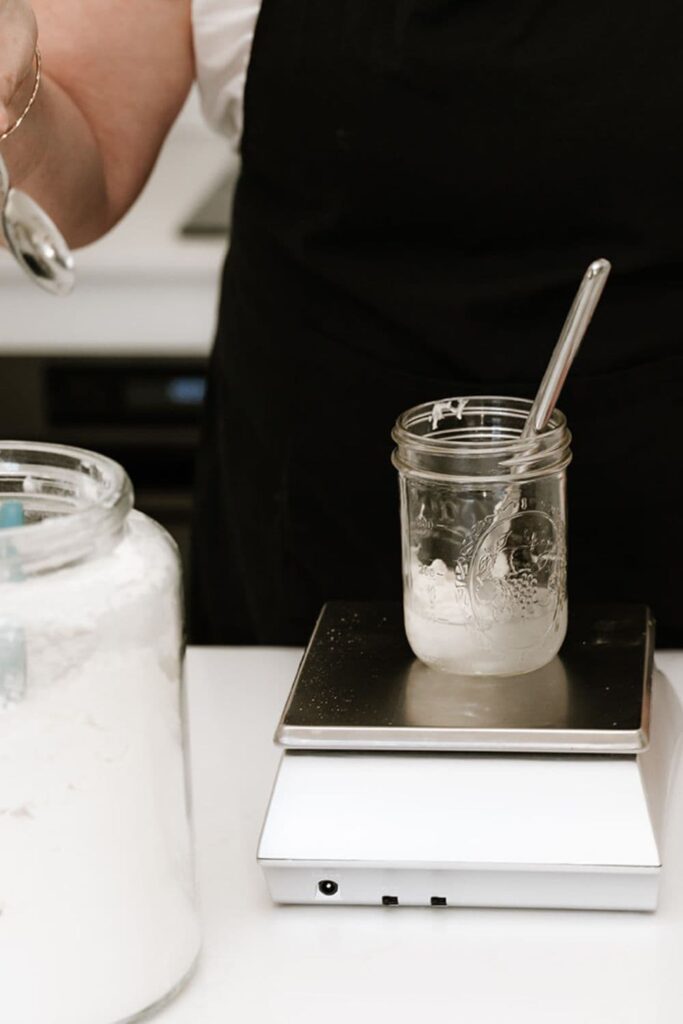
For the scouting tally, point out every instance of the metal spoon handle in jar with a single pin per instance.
(568, 344)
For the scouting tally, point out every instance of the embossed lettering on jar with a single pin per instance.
(483, 516)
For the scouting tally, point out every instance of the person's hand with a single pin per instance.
(18, 35)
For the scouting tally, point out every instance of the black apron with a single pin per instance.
(423, 185)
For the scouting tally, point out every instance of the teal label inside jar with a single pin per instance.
(12, 640)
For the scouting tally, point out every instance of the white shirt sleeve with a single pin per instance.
(223, 32)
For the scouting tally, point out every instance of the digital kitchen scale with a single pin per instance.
(401, 785)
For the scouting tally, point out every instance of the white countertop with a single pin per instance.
(265, 963)
(141, 290)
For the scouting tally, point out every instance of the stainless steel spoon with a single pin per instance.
(568, 344)
(34, 240)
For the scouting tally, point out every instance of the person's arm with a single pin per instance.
(115, 74)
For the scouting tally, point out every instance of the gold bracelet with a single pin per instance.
(36, 86)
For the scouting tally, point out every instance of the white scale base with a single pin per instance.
(460, 830)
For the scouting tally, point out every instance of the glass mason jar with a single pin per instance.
(98, 919)
(483, 535)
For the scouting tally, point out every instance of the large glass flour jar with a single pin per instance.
(97, 908)
(483, 533)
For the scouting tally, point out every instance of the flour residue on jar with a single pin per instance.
(441, 409)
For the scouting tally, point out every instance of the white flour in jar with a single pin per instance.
(97, 916)
(444, 632)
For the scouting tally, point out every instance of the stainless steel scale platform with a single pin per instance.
(401, 785)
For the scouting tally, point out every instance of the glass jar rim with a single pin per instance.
(84, 519)
(555, 435)
(480, 441)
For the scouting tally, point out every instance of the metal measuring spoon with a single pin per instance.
(34, 240)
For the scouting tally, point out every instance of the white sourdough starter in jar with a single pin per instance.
(97, 916)
(443, 630)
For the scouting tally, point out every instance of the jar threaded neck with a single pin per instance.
(478, 438)
(74, 505)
